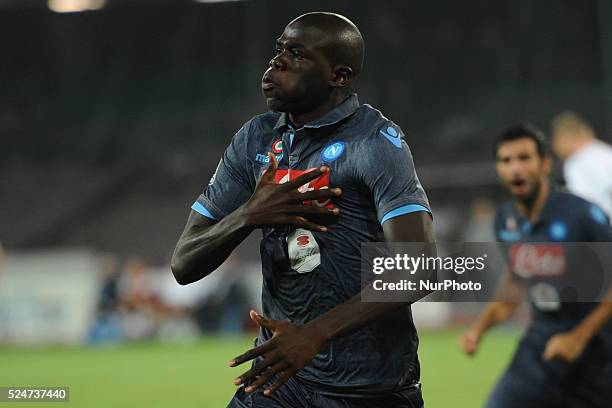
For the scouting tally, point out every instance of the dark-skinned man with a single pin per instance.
(319, 174)
(565, 356)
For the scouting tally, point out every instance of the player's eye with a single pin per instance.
(296, 54)
(277, 50)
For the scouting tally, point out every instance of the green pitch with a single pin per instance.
(196, 374)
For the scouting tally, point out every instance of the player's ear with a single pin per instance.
(341, 76)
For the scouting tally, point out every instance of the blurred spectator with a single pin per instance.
(479, 225)
(139, 302)
(587, 161)
(109, 289)
(107, 325)
(224, 306)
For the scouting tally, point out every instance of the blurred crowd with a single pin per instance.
(138, 301)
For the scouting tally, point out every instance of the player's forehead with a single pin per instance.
(521, 146)
(303, 36)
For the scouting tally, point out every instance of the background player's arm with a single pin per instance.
(205, 243)
(497, 312)
(293, 346)
(569, 346)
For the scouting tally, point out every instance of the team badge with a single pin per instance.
(277, 146)
(558, 231)
(332, 151)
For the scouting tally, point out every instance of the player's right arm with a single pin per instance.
(205, 243)
(497, 312)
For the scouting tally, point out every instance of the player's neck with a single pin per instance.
(300, 119)
(532, 207)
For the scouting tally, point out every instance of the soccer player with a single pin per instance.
(319, 174)
(587, 161)
(565, 357)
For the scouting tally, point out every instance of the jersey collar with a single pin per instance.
(342, 111)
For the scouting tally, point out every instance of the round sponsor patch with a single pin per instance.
(511, 223)
(277, 146)
(332, 151)
(303, 250)
(545, 297)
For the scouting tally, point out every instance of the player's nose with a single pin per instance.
(276, 63)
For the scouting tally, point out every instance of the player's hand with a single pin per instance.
(469, 342)
(565, 346)
(291, 347)
(282, 204)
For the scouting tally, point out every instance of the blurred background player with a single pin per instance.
(587, 161)
(565, 357)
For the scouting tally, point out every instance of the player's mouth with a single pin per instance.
(266, 86)
(518, 185)
(267, 83)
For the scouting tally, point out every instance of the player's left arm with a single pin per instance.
(570, 345)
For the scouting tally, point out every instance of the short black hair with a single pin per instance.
(523, 131)
(346, 43)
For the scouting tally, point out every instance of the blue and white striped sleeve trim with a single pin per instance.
(200, 209)
(404, 209)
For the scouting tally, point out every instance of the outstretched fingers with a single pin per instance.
(306, 178)
(323, 193)
(251, 354)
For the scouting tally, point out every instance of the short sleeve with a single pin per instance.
(387, 169)
(596, 224)
(231, 185)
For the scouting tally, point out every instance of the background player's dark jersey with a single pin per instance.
(564, 218)
(306, 273)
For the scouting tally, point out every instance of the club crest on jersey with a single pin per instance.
(558, 231)
(392, 135)
(277, 146)
(332, 151)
